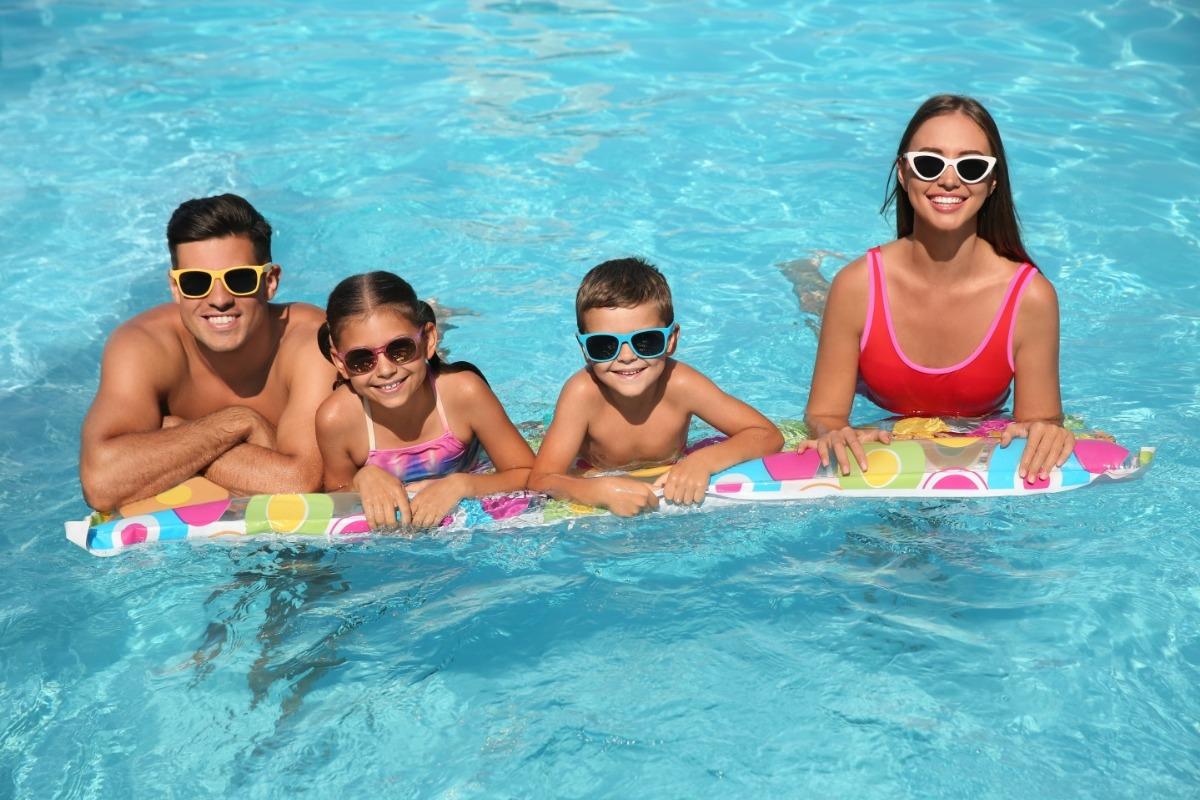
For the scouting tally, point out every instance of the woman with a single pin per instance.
(942, 320)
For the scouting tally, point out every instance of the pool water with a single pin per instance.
(491, 153)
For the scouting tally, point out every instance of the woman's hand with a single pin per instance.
(436, 498)
(383, 495)
(686, 482)
(1049, 446)
(842, 438)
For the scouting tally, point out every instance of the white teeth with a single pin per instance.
(221, 320)
(947, 201)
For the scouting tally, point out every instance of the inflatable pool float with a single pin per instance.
(927, 458)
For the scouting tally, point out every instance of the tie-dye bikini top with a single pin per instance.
(432, 459)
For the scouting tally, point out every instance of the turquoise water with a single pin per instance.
(491, 152)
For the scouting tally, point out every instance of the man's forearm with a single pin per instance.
(133, 466)
(250, 469)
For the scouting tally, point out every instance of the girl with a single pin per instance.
(940, 321)
(400, 420)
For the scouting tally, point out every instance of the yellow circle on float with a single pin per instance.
(175, 496)
(286, 512)
(883, 466)
(956, 441)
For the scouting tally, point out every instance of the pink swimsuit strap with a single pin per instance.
(433, 458)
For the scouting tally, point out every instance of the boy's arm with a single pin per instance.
(560, 448)
(125, 453)
(751, 435)
(292, 463)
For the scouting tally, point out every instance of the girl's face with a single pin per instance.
(384, 356)
(947, 202)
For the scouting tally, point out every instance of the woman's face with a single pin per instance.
(947, 203)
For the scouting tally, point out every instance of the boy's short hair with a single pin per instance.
(624, 283)
(215, 218)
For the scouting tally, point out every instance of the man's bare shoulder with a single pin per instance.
(298, 347)
(154, 333)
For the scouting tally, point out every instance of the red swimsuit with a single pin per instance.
(974, 387)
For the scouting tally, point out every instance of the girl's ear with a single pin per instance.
(271, 280)
(673, 340)
(432, 340)
(339, 365)
(900, 176)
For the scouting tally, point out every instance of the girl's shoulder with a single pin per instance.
(340, 411)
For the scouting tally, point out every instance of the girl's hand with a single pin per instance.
(842, 438)
(624, 497)
(382, 496)
(1049, 446)
(686, 482)
(436, 498)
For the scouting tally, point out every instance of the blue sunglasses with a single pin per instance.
(646, 343)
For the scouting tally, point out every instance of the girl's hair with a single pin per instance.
(997, 222)
(360, 295)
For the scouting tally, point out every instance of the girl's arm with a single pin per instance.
(751, 435)
(1037, 404)
(382, 493)
(490, 424)
(835, 373)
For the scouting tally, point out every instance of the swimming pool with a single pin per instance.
(491, 152)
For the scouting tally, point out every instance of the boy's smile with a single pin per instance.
(629, 374)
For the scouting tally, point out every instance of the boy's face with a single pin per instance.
(629, 375)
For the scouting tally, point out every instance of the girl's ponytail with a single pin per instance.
(426, 316)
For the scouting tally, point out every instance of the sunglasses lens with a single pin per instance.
(360, 361)
(241, 281)
(972, 170)
(649, 344)
(401, 351)
(194, 283)
(602, 347)
(927, 167)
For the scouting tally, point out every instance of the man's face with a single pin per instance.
(628, 375)
(220, 321)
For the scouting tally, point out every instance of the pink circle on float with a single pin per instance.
(203, 513)
(955, 483)
(133, 533)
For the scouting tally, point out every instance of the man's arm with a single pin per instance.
(124, 452)
(294, 465)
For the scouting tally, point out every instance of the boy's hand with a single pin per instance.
(436, 498)
(686, 482)
(382, 496)
(625, 497)
(1049, 446)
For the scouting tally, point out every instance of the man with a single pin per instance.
(221, 383)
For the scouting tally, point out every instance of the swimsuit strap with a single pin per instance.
(370, 424)
(437, 401)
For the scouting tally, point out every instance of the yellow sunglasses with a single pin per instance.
(195, 282)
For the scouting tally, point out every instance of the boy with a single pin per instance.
(632, 404)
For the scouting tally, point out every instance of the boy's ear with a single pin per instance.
(673, 340)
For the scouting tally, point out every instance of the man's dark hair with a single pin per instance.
(624, 283)
(215, 218)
